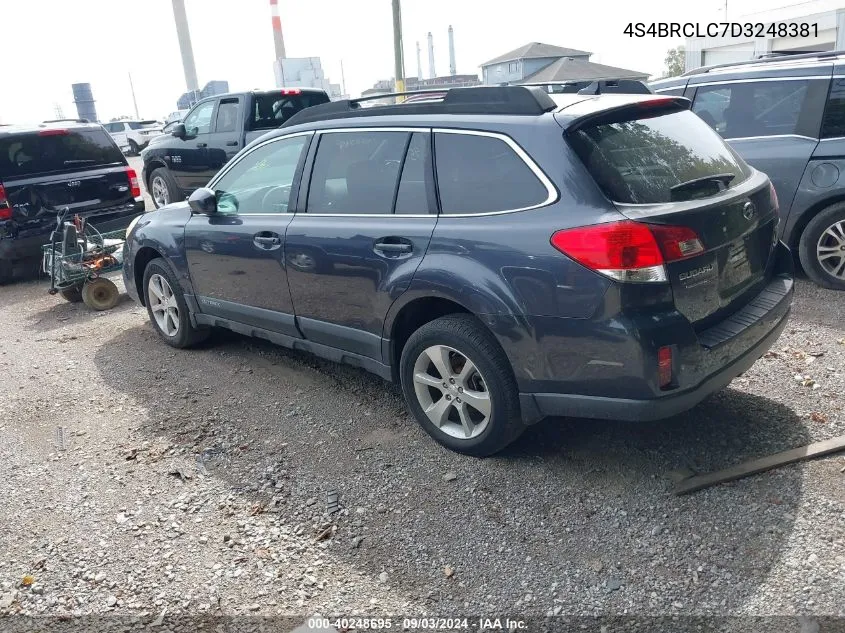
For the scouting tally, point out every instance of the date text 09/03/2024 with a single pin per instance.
(722, 29)
(423, 623)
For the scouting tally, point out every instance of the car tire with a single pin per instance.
(166, 307)
(824, 236)
(477, 425)
(133, 148)
(163, 189)
(71, 294)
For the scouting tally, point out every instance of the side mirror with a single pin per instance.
(203, 201)
(179, 130)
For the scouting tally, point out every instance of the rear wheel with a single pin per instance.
(100, 294)
(459, 385)
(167, 308)
(163, 189)
(822, 248)
(133, 147)
(71, 294)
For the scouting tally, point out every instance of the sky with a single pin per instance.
(49, 44)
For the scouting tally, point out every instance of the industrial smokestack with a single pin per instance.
(184, 36)
(452, 69)
(84, 100)
(278, 40)
(431, 74)
(419, 64)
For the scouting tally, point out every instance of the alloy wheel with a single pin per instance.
(163, 305)
(452, 392)
(160, 193)
(830, 250)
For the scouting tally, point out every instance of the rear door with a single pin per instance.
(81, 169)
(367, 224)
(235, 256)
(670, 169)
(773, 123)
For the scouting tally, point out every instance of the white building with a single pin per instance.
(304, 72)
(825, 20)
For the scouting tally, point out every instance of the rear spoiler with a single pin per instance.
(640, 109)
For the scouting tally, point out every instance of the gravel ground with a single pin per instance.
(197, 482)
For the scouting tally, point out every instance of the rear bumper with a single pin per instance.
(28, 246)
(539, 405)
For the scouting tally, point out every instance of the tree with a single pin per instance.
(675, 61)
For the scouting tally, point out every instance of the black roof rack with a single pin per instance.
(765, 59)
(524, 100)
(67, 121)
(616, 86)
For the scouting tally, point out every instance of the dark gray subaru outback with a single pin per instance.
(501, 253)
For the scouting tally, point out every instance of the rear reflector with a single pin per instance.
(133, 182)
(664, 367)
(628, 251)
(53, 133)
(5, 206)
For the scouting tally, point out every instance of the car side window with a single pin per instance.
(356, 172)
(483, 174)
(833, 124)
(227, 116)
(199, 120)
(412, 196)
(742, 109)
(261, 181)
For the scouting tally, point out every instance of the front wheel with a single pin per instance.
(163, 189)
(166, 307)
(459, 385)
(822, 248)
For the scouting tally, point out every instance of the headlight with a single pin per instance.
(132, 225)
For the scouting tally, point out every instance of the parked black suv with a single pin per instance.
(503, 254)
(216, 129)
(785, 115)
(57, 165)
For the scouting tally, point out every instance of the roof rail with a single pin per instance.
(519, 100)
(765, 59)
(616, 86)
(67, 121)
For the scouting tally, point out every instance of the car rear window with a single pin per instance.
(645, 161)
(55, 151)
(271, 110)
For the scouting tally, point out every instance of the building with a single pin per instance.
(212, 88)
(828, 35)
(304, 72)
(387, 86)
(544, 63)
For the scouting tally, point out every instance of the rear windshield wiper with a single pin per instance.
(719, 179)
(79, 160)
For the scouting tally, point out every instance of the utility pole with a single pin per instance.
(397, 48)
(343, 81)
(134, 101)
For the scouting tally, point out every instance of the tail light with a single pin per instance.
(664, 367)
(628, 251)
(133, 182)
(5, 205)
(53, 132)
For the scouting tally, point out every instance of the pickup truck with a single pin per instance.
(211, 133)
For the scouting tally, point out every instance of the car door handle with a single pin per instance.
(232, 144)
(391, 247)
(267, 242)
(202, 144)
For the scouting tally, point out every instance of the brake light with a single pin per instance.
(656, 102)
(664, 367)
(773, 196)
(53, 133)
(291, 91)
(627, 250)
(5, 207)
(133, 182)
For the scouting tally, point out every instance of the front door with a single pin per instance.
(773, 124)
(190, 162)
(365, 228)
(235, 256)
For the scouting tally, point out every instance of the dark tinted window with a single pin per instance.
(56, 151)
(273, 109)
(227, 116)
(678, 92)
(356, 172)
(834, 114)
(764, 108)
(480, 174)
(261, 181)
(641, 161)
(412, 196)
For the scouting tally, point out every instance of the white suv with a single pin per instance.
(135, 135)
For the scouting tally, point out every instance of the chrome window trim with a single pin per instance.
(755, 80)
(754, 138)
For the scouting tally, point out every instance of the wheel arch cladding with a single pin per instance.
(155, 163)
(144, 256)
(807, 216)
